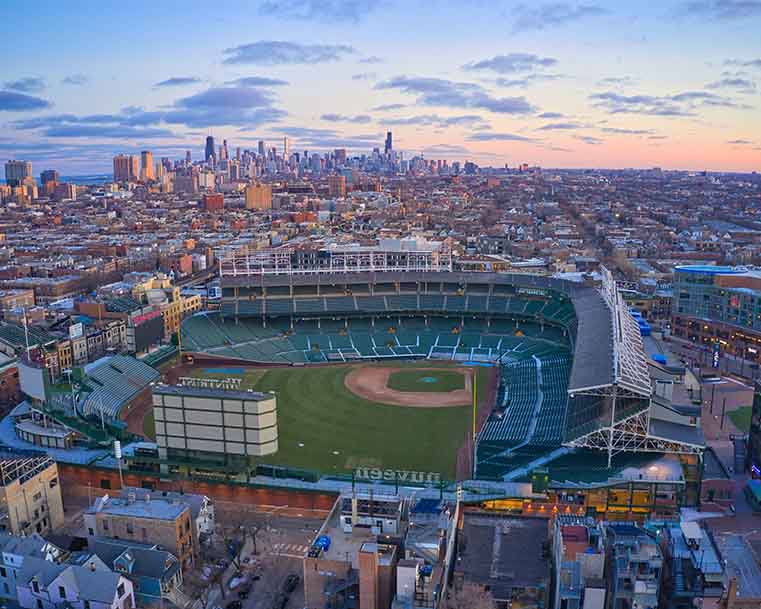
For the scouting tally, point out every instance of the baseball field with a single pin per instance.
(413, 416)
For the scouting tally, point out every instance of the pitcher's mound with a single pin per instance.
(372, 383)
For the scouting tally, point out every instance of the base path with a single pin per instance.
(371, 383)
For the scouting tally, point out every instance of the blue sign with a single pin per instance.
(716, 354)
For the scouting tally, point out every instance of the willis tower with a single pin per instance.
(210, 154)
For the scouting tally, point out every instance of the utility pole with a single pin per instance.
(723, 410)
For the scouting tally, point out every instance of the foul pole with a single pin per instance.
(475, 376)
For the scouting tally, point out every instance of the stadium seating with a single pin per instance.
(310, 305)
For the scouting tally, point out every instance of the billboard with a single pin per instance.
(148, 330)
(76, 330)
(32, 380)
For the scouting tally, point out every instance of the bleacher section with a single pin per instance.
(340, 339)
(530, 414)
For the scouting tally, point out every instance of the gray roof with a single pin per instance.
(154, 509)
(193, 501)
(204, 392)
(683, 434)
(148, 560)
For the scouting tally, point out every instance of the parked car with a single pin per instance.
(290, 583)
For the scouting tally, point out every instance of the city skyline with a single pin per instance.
(554, 84)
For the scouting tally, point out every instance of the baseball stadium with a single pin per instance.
(396, 360)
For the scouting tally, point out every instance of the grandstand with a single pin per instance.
(573, 370)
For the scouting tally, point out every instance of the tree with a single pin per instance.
(469, 596)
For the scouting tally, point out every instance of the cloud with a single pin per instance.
(622, 131)
(388, 107)
(616, 81)
(530, 17)
(551, 115)
(360, 119)
(447, 93)
(257, 81)
(560, 126)
(498, 137)
(589, 139)
(11, 101)
(744, 63)
(436, 120)
(106, 131)
(740, 142)
(245, 107)
(30, 84)
(364, 76)
(441, 149)
(329, 11)
(742, 85)
(235, 106)
(279, 52)
(680, 104)
(511, 63)
(720, 10)
(75, 79)
(372, 59)
(327, 139)
(525, 81)
(178, 81)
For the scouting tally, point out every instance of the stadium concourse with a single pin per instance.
(573, 374)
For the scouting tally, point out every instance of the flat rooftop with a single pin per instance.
(503, 552)
(156, 509)
(345, 546)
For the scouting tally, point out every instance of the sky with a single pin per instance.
(557, 84)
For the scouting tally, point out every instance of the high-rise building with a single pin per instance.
(223, 154)
(146, 165)
(125, 168)
(188, 158)
(16, 172)
(286, 148)
(337, 186)
(259, 196)
(261, 148)
(389, 144)
(340, 156)
(49, 175)
(211, 155)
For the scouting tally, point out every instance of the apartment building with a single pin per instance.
(30, 495)
(164, 522)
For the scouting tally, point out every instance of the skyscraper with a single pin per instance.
(146, 165)
(125, 168)
(49, 175)
(210, 154)
(261, 147)
(17, 171)
(389, 147)
(286, 148)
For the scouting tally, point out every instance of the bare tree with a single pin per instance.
(469, 596)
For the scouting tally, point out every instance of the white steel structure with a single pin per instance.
(242, 262)
(624, 425)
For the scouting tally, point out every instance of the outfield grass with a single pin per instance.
(434, 381)
(318, 416)
(741, 418)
